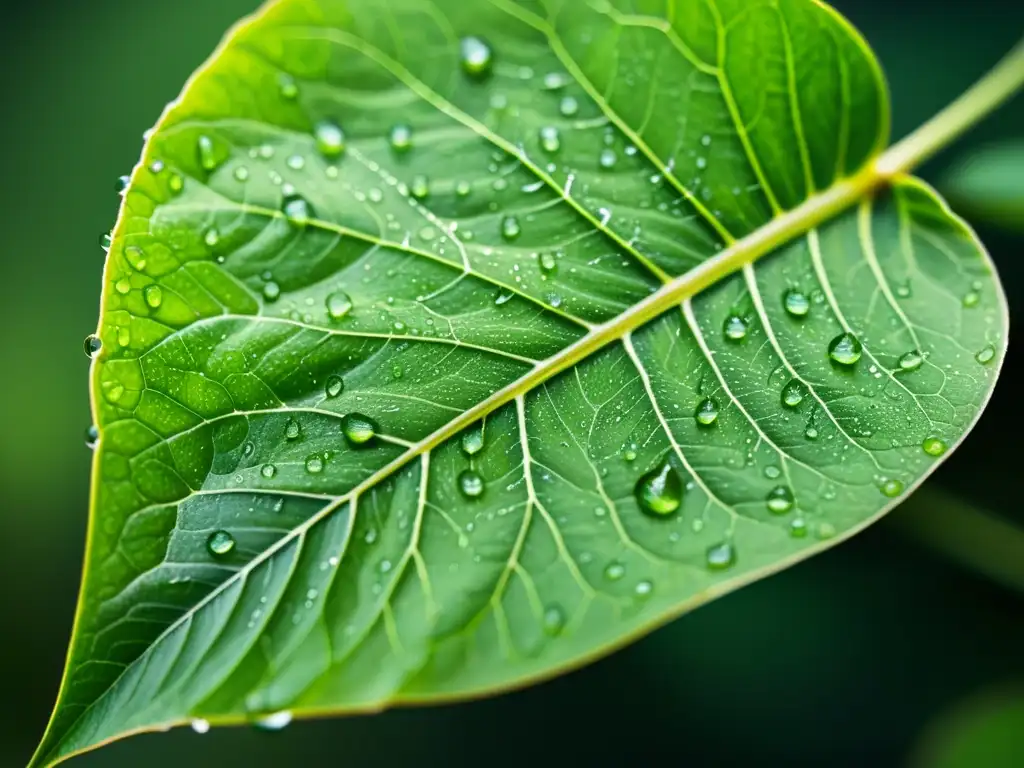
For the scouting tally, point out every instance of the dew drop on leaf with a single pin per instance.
(105, 241)
(720, 556)
(891, 487)
(292, 429)
(735, 328)
(510, 229)
(473, 440)
(934, 446)
(273, 722)
(643, 588)
(200, 726)
(707, 412)
(420, 187)
(798, 528)
(122, 184)
(476, 56)
(330, 139)
(793, 393)
(400, 138)
(568, 106)
(220, 543)
(358, 429)
(334, 385)
(779, 500)
(549, 140)
(911, 361)
(206, 152)
(271, 291)
(93, 345)
(660, 492)
(471, 484)
(338, 305)
(554, 620)
(796, 302)
(986, 354)
(287, 87)
(614, 571)
(92, 437)
(314, 464)
(297, 210)
(175, 183)
(268, 471)
(845, 349)
(547, 263)
(607, 159)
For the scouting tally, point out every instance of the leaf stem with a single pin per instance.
(996, 87)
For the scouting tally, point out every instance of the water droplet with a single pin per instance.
(660, 492)
(220, 543)
(286, 84)
(123, 286)
(122, 184)
(796, 302)
(735, 328)
(92, 437)
(338, 305)
(297, 210)
(779, 500)
(911, 361)
(212, 237)
(292, 429)
(614, 571)
(207, 153)
(200, 726)
(477, 57)
(314, 464)
(175, 183)
(473, 441)
(793, 393)
(568, 106)
(241, 173)
(643, 588)
(554, 620)
(400, 138)
(463, 188)
(510, 228)
(845, 349)
(105, 241)
(707, 412)
(334, 386)
(271, 291)
(113, 391)
(471, 484)
(811, 433)
(268, 471)
(504, 296)
(971, 299)
(720, 556)
(547, 262)
(549, 140)
(934, 446)
(358, 429)
(607, 159)
(629, 452)
(986, 354)
(330, 139)
(420, 187)
(826, 530)
(93, 345)
(798, 528)
(891, 487)
(274, 722)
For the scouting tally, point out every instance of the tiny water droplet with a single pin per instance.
(314, 464)
(779, 500)
(793, 393)
(798, 528)
(200, 726)
(735, 328)
(548, 263)
(629, 452)
(554, 620)
(826, 530)
(720, 556)
(358, 429)
(510, 229)
(330, 139)
(614, 571)
(845, 349)
(811, 433)
(986, 354)
(338, 305)
(400, 137)
(549, 140)
(207, 153)
(476, 56)
(271, 291)
(707, 412)
(568, 106)
(297, 210)
(241, 173)
(292, 429)
(504, 296)
(463, 188)
(274, 722)
(607, 159)
(891, 487)
(643, 588)
(934, 446)
(175, 183)
(471, 484)
(971, 299)
(220, 543)
(334, 385)
(660, 492)
(122, 184)
(105, 241)
(473, 441)
(911, 361)
(92, 437)
(420, 187)
(287, 86)
(796, 302)
(93, 345)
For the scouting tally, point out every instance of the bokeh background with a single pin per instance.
(881, 651)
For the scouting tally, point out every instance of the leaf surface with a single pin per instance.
(502, 237)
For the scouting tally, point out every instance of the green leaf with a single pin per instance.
(434, 359)
(988, 184)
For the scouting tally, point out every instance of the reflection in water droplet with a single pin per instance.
(549, 140)
(845, 349)
(420, 187)
(268, 471)
(798, 528)
(614, 571)
(471, 484)
(473, 440)
(271, 291)
(720, 556)
(793, 393)
(400, 138)
(220, 543)
(330, 139)
(93, 345)
(476, 56)
(707, 412)
(735, 328)
(297, 210)
(568, 106)
(643, 588)
(986, 355)
(547, 262)
(207, 153)
(911, 361)
(510, 228)
(274, 722)
(779, 500)
(314, 464)
(891, 487)
(334, 385)
(200, 726)
(153, 295)
(607, 159)
(796, 302)
(971, 299)
(92, 437)
(292, 429)
(934, 446)
(338, 305)
(358, 429)
(660, 492)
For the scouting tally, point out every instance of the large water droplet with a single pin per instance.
(779, 500)
(220, 543)
(358, 429)
(400, 138)
(720, 556)
(338, 305)
(845, 349)
(473, 440)
(660, 492)
(911, 361)
(735, 328)
(477, 57)
(471, 484)
(796, 302)
(510, 229)
(793, 393)
(330, 139)
(93, 345)
(549, 140)
(707, 412)
(334, 385)
(934, 446)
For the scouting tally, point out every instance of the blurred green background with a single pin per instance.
(879, 652)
